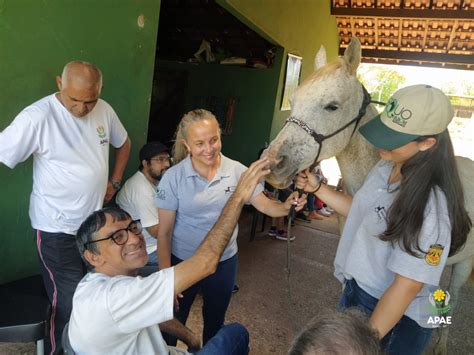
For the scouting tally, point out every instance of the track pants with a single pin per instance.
(62, 269)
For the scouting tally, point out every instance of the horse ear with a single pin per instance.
(321, 58)
(352, 55)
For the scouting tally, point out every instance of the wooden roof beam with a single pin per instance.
(417, 56)
(413, 13)
(418, 63)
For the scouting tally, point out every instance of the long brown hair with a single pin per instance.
(420, 175)
(179, 149)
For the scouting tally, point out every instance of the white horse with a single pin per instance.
(327, 109)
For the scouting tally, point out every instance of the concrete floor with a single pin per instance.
(264, 304)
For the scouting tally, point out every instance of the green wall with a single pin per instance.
(36, 39)
(256, 91)
(299, 26)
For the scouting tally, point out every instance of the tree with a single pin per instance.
(380, 81)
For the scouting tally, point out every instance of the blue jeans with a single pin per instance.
(216, 293)
(231, 339)
(153, 258)
(311, 202)
(406, 337)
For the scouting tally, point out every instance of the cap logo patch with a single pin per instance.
(398, 114)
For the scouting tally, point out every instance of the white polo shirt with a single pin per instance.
(137, 197)
(198, 203)
(70, 160)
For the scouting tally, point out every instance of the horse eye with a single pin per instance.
(330, 107)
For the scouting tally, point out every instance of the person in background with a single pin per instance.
(320, 207)
(137, 196)
(68, 134)
(277, 228)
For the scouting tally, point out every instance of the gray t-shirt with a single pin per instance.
(198, 203)
(373, 263)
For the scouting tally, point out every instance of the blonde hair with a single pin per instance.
(179, 149)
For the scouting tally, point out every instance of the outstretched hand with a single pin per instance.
(251, 177)
(306, 181)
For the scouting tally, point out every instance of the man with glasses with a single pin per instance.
(137, 195)
(114, 311)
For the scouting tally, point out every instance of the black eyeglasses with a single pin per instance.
(120, 236)
(162, 159)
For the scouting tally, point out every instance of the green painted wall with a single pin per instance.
(299, 26)
(36, 39)
(256, 92)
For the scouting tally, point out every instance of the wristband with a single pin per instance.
(317, 189)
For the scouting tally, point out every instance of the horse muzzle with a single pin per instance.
(282, 173)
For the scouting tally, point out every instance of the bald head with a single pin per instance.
(79, 87)
(82, 75)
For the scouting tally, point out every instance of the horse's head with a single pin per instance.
(326, 101)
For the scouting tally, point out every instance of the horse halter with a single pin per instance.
(320, 138)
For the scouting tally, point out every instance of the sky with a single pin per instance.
(437, 77)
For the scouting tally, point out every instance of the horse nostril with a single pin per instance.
(281, 162)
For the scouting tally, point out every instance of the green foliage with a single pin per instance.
(462, 88)
(380, 82)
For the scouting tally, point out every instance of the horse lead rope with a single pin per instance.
(319, 138)
(291, 216)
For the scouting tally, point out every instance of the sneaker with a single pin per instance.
(235, 289)
(273, 231)
(329, 209)
(315, 215)
(302, 217)
(282, 235)
(324, 212)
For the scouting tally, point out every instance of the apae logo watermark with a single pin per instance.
(439, 308)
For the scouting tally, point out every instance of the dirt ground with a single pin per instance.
(264, 304)
(274, 318)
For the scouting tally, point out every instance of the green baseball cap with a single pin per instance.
(411, 112)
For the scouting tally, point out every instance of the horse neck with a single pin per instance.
(357, 158)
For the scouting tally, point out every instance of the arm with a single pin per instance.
(393, 304)
(153, 230)
(204, 262)
(121, 159)
(165, 233)
(183, 333)
(339, 201)
(275, 208)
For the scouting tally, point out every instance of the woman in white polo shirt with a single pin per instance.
(190, 198)
(404, 221)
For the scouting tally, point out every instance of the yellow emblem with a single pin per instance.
(433, 256)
